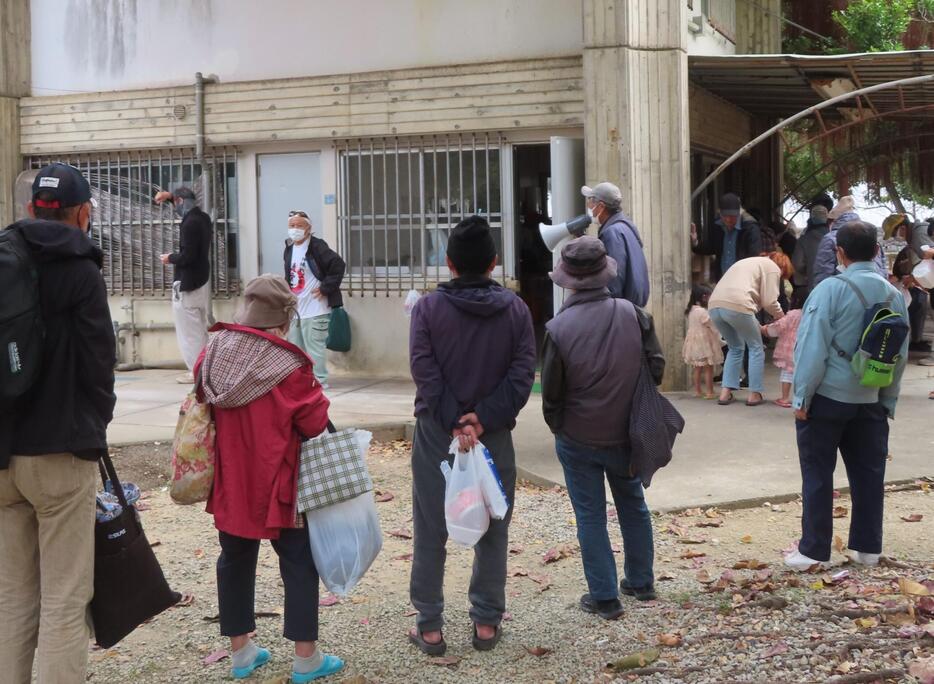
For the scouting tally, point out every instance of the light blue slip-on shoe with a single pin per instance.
(330, 665)
(262, 657)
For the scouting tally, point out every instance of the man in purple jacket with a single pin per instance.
(472, 355)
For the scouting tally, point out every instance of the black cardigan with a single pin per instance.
(326, 265)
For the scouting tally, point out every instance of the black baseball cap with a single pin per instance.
(67, 185)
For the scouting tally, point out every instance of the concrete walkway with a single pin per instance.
(726, 454)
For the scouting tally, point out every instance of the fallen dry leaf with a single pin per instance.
(923, 670)
(401, 533)
(704, 577)
(914, 517)
(383, 497)
(899, 619)
(750, 564)
(817, 585)
(538, 651)
(670, 639)
(185, 601)
(445, 661)
(778, 649)
(746, 539)
(665, 578)
(519, 572)
(215, 657)
(155, 544)
(866, 622)
(911, 588)
(410, 613)
(402, 557)
(329, 600)
(845, 667)
(712, 513)
(689, 554)
(516, 549)
(716, 522)
(691, 540)
(199, 553)
(554, 554)
(840, 511)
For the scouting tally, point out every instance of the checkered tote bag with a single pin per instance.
(332, 469)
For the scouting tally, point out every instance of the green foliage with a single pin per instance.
(800, 168)
(877, 25)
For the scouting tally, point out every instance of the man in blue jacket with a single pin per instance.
(622, 241)
(835, 412)
(472, 356)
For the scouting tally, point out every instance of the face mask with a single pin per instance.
(296, 234)
(90, 230)
(183, 208)
(590, 213)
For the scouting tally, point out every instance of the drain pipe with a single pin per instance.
(206, 178)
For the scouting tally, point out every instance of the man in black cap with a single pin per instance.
(191, 289)
(472, 355)
(59, 425)
(592, 358)
(734, 236)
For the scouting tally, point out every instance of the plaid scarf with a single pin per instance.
(240, 367)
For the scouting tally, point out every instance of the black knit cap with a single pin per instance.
(470, 247)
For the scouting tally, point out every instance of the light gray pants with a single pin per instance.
(191, 313)
(311, 336)
(487, 592)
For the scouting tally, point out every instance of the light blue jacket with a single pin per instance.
(833, 313)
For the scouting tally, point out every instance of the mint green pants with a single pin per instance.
(311, 334)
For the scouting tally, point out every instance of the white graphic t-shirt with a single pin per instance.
(303, 282)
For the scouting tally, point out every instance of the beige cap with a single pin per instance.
(267, 303)
(843, 206)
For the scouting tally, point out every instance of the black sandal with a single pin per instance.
(425, 647)
(487, 644)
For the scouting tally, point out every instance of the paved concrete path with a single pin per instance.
(726, 454)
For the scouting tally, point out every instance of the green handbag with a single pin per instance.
(339, 331)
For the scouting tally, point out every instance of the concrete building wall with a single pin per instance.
(15, 56)
(134, 44)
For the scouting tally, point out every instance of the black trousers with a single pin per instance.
(916, 314)
(236, 584)
(861, 433)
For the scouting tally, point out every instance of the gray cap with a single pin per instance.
(603, 192)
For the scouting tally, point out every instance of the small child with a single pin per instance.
(703, 347)
(786, 330)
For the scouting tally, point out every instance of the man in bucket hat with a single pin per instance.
(592, 358)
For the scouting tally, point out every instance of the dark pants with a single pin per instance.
(584, 471)
(487, 592)
(236, 584)
(917, 311)
(861, 433)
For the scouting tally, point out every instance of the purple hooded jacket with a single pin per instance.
(472, 348)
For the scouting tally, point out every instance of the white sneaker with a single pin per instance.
(869, 559)
(798, 562)
(186, 379)
(927, 361)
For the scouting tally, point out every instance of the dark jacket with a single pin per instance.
(192, 261)
(806, 254)
(748, 242)
(472, 348)
(69, 407)
(592, 358)
(326, 265)
(624, 244)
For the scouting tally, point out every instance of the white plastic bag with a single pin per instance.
(465, 510)
(411, 299)
(924, 274)
(345, 540)
(494, 494)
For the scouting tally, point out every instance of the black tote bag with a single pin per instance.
(129, 587)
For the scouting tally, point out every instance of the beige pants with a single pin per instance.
(192, 313)
(46, 567)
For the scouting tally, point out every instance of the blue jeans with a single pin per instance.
(740, 330)
(584, 471)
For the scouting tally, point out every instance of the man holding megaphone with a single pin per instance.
(622, 241)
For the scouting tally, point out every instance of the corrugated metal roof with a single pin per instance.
(779, 86)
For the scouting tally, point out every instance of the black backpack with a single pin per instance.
(21, 328)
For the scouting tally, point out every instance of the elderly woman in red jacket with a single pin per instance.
(266, 401)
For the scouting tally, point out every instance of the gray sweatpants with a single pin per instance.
(487, 592)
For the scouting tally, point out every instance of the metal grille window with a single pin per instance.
(133, 231)
(399, 200)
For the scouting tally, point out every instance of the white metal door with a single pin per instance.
(286, 182)
(567, 177)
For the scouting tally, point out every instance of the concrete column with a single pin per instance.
(14, 83)
(636, 134)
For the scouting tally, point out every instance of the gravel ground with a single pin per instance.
(712, 623)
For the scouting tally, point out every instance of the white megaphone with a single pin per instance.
(556, 236)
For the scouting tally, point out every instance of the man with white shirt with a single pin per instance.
(314, 272)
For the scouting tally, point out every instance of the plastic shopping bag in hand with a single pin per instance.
(494, 494)
(345, 540)
(465, 510)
